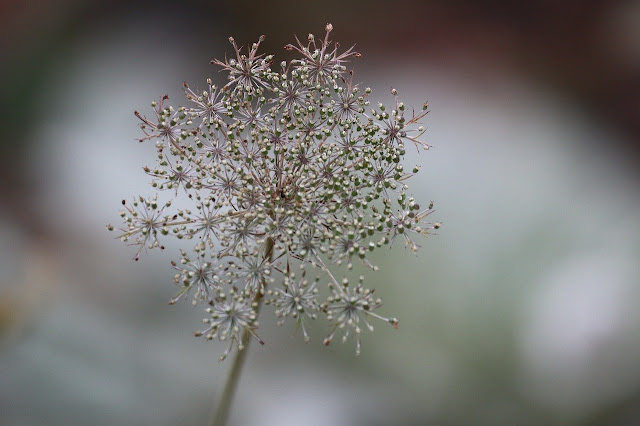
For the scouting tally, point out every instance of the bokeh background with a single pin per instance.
(523, 310)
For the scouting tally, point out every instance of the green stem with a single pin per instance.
(224, 405)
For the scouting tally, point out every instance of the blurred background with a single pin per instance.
(523, 310)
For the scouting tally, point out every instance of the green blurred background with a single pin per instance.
(522, 311)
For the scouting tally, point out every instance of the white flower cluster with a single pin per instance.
(289, 170)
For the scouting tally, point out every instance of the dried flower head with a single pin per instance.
(289, 171)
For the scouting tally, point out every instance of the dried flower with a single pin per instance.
(287, 172)
(229, 319)
(297, 299)
(348, 308)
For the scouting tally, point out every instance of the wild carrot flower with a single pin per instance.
(350, 308)
(229, 317)
(296, 299)
(290, 171)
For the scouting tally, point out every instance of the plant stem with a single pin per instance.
(224, 405)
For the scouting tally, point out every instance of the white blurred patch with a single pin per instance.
(577, 345)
